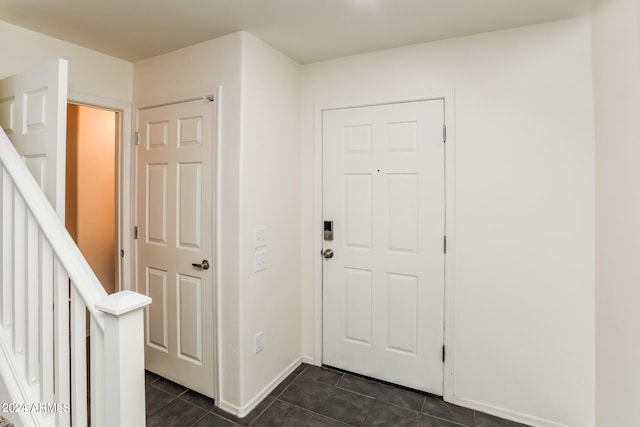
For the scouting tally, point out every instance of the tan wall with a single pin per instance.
(71, 183)
(90, 204)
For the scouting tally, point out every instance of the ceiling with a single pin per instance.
(306, 30)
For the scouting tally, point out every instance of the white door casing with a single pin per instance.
(125, 189)
(33, 114)
(175, 220)
(383, 290)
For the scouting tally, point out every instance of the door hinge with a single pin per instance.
(121, 253)
(135, 232)
(136, 137)
(443, 354)
(444, 133)
(444, 244)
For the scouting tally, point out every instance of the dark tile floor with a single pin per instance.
(314, 397)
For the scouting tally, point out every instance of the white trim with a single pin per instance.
(228, 407)
(243, 411)
(310, 361)
(450, 162)
(507, 414)
(125, 238)
(217, 230)
(450, 231)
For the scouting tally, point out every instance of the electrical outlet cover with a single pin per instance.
(258, 343)
(261, 261)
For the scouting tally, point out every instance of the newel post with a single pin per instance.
(124, 358)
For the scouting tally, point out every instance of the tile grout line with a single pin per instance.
(450, 421)
(199, 419)
(261, 412)
(315, 379)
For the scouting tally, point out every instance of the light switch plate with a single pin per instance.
(261, 237)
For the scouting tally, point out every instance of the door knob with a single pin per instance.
(327, 253)
(204, 265)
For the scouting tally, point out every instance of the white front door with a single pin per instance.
(175, 220)
(383, 288)
(33, 114)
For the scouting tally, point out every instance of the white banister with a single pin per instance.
(97, 386)
(124, 353)
(52, 228)
(46, 290)
(62, 354)
(78, 333)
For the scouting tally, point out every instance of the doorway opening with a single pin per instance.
(91, 203)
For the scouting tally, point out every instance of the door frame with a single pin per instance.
(448, 98)
(217, 227)
(123, 186)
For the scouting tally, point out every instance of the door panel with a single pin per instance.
(358, 210)
(175, 220)
(156, 326)
(189, 320)
(402, 309)
(189, 202)
(358, 319)
(156, 204)
(33, 113)
(383, 290)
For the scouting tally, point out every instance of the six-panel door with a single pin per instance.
(33, 114)
(176, 222)
(383, 290)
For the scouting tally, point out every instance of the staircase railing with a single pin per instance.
(54, 374)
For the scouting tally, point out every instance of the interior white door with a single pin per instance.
(175, 220)
(383, 289)
(33, 114)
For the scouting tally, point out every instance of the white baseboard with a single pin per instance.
(310, 360)
(227, 407)
(507, 414)
(244, 410)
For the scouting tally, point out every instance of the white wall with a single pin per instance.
(524, 208)
(524, 298)
(258, 181)
(93, 77)
(90, 72)
(616, 59)
(258, 187)
(269, 198)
